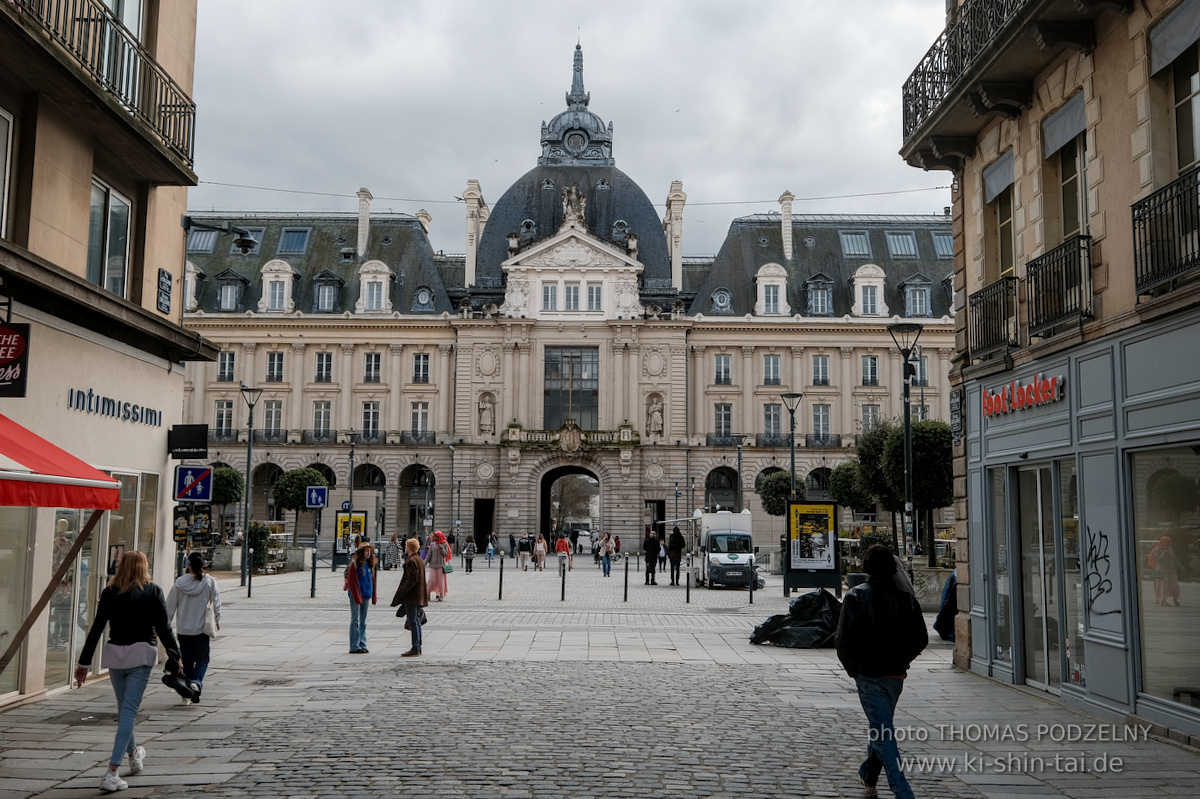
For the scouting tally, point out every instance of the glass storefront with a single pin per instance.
(1167, 534)
(14, 561)
(1002, 614)
(74, 600)
(1073, 581)
(1039, 577)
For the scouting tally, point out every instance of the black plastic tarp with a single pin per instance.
(810, 623)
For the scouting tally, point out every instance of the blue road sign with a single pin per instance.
(346, 505)
(193, 483)
(315, 496)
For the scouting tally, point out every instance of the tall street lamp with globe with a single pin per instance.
(905, 335)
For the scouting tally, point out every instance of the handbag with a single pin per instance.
(210, 622)
(447, 568)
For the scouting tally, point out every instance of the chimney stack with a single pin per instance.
(673, 225)
(477, 214)
(425, 219)
(364, 219)
(785, 211)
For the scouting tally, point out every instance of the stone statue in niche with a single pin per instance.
(654, 417)
(574, 204)
(487, 415)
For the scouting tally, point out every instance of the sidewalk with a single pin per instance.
(530, 696)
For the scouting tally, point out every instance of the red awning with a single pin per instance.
(55, 478)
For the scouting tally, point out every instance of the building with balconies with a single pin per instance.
(1070, 129)
(96, 127)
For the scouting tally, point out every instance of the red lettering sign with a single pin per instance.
(1017, 396)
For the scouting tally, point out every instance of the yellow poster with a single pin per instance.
(349, 524)
(812, 535)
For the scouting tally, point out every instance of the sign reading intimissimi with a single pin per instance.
(91, 402)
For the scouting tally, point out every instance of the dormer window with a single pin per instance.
(229, 297)
(327, 292)
(820, 291)
(374, 291)
(278, 279)
(231, 289)
(868, 291)
(917, 295)
(423, 299)
(855, 244)
(772, 291)
(902, 244)
(201, 240)
(293, 241)
(870, 303)
(722, 301)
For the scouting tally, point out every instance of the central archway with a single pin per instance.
(547, 519)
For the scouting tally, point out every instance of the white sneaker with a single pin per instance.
(136, 758)
(112, 782)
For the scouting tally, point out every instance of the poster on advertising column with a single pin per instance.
(349, 524)
(812, 535)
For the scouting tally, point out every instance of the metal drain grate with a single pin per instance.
(274, 682)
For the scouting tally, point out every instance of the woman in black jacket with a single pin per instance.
(134, 609)
(412, 594)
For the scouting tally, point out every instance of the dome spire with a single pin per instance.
(577, 97)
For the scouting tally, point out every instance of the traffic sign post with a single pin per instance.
(193, 483)
(316, 497)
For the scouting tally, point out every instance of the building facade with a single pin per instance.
(95, 157)
(571, 337)
(1070, 132)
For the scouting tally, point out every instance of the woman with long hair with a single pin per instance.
(1165, 568)
(412, 594)
(188, 605)
(360, 585)
(436, 558)
(134, 610)
(539, 553)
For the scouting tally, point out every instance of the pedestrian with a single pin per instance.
(662, 555)
(539, 552)
(512, 546)
(616, 545)
(880, 632)
(451, 541)
(359, 584)
(948, 610)
(438, 561)
(469, 548)
(575, 541)
(189, 604)
(391, 554)
(675, 547)
(650, 551)
(490, 552)
(1164, 566)
(134, 610)
(526, 547)
(563, 547)
(412, 595)
(607, 549)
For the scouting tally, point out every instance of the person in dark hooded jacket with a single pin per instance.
(880, 632)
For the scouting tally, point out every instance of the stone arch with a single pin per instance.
(329, 474)
(817, 482)
(763, 475)
(417, 501)
(262, 492)
(722, 487)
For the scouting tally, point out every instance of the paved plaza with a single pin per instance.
(533, 696)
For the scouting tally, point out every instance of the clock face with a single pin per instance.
(576, 140)
(424, 296)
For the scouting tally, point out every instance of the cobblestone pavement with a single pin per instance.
(532, 696)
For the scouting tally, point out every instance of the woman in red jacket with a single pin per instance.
(360, 585)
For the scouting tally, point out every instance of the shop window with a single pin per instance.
(108, 239)
(1002, 606)
(73, 604)
(1073, 558)
(16, 544)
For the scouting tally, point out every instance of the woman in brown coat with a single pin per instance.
(412, 594)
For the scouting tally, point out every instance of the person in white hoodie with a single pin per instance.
(187, 603)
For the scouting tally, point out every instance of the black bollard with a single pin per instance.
(626, 578)
(689, 587)
(501, 579)
(563, 569)
(313, 593)
(250, 575)
(753, 580)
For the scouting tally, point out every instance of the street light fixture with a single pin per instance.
(792, 402)
(905, 335)
(244, 241)
(250, 395)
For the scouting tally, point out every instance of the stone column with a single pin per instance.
(346, 395)
(508, 409)
(634, 411)
(796, 381)
(395, 379)
(250, 374)
(699, 400)
(526, 412)
(444, 382)
(843, 421)
(619, 398)
(749, 380)
(296, 402)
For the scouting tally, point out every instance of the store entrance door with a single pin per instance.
(1041, 608)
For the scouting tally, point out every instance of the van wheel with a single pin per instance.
(710, 585)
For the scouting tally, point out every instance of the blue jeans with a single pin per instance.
(414, 624)
(607, 563)
(879, 696)
(129, 685)
(195, 651)
(358, 623)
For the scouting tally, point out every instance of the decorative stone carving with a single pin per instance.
(574, 205)
(487, 363)
(485, 471)
(627, 299)
(654, 363)
(516, 299)
(654, 416)
(570, 438)
(654, 472)
(487, 415)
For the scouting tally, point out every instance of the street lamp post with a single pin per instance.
(250, 395)
(792, 401)
(905, 335)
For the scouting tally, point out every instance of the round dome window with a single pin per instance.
(722, 299)
(576, 140)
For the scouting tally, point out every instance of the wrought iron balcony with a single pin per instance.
(418, 437)
(820, 381)
(714, 440)
(870, 381)
(1058, 285)
(94, 40)
(823, 439)
(368, 436)
(772, 440)
(318, 437)
(270, 436)
(219, 436)
(993, 318)
(1166, 234)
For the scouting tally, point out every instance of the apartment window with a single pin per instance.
(223, 419)
(770, 370)
(773, 419)
(225, 367)
(375, 296)
(916, 301)
(228, 297)
(324, 367)
(6, 127)
(1002, 212)
(870, 417)
(870, 305)
(820, 417)
(593, 298)
(108, 239)
(1073, 186)
(275, 293)
(571, 298)
(421, 367)
(293, 241)
(820, 369)
(920, 366)
(902, 245)
(420, 417)
(326, 297)
(943, 245)
(724, 370)
(371, 367)
(818, 300)
(549, 298)
(870, 370)
(1186, 71)
(274, 367)
(920, 413)
(201, 241)
(770, 299)
(571, 387)
(256, 233)
(272, 415)
(321, 414)
(370, 418)
(723, 421)
(855, 244)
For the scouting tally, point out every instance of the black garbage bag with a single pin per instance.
(810, 623)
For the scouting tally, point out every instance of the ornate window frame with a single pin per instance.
(868, 275)
(771, 275)
(275, 271)
(374, 272)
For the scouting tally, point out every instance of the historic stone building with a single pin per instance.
(1071, 132)
(572, 337)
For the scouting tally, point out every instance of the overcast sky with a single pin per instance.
(739, 100)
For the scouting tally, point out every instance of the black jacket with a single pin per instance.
(650, 547)
(675, 545)
(881, 630)
(133, 616)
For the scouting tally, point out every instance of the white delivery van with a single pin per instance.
(726, 553)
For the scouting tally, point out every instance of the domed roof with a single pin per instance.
(576, 136)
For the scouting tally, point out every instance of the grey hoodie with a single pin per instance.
(187, 601)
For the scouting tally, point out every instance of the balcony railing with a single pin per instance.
(714, 440)
(96, 41)
(820, 381)
(1166, 234)
(993, 317)
(772, 440)
(270, 436)
(1058, 285)
(823, 439)
(368, 436)
(966, 36)
(218, 436)
(418, 437)
(318, 437)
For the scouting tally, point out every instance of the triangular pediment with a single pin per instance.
(573, 249)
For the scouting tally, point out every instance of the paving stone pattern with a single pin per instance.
(531, 696)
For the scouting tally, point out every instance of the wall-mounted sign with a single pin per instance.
(91, 402)
(164, 291)
(188, 441)
(1017, 396)
(956, 419)
(14, 360)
